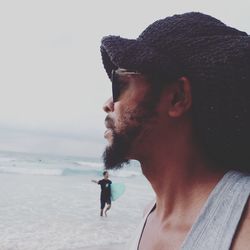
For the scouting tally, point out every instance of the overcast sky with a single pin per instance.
(53, 84)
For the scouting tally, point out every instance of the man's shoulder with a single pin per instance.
(105, 181)
(241, 240)
(101, 181)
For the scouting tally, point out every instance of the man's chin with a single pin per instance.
(117, 153)
(113, 159)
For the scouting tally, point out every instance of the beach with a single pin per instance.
(50, 203)
(110, 247)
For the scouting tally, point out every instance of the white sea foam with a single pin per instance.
(124, 173)
(30, 171)
(66, 172)
(89, 164)
(6, 159)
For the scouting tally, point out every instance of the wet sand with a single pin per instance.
(110, 247)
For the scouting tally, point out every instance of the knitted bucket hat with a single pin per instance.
(171, 45)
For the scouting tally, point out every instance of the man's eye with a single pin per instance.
(122, 85)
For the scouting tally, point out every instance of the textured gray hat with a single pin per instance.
(176, 45)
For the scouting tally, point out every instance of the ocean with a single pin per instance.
(50, 203)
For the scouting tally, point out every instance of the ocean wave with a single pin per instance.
(124, 173)
(6, 159)
(67, 172)
(30, 171)
(48, 171)
(89, 164)
(70, 171)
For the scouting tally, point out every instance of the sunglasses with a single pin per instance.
(117, 83)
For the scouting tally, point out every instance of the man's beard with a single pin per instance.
(116, 155)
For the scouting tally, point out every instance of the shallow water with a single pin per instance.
(41, 207)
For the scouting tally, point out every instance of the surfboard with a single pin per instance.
(117, 189)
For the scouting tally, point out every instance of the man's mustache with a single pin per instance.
(109, 123)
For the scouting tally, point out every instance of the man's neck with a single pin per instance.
(182, 184)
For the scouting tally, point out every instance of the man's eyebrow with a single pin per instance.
(128, 76)
(123, 78)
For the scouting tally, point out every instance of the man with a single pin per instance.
(105, 193)
(181, 106)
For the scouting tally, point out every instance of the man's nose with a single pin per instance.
(108, 105)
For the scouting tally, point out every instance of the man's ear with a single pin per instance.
(180, 98)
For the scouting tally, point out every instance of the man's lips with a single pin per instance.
(107, 133)
(108, 125)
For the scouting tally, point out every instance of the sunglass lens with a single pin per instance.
(115, 86)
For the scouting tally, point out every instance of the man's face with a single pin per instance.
(127, 120)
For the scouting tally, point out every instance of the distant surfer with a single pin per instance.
(105, 192)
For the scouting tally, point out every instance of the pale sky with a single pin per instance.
(53, 84)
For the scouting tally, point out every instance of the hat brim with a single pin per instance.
(118, 52)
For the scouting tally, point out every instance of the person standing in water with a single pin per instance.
(105, 192)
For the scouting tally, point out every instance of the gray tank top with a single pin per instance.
(215, 227)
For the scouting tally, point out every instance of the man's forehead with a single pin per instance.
(123, 71)
(127, 75)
